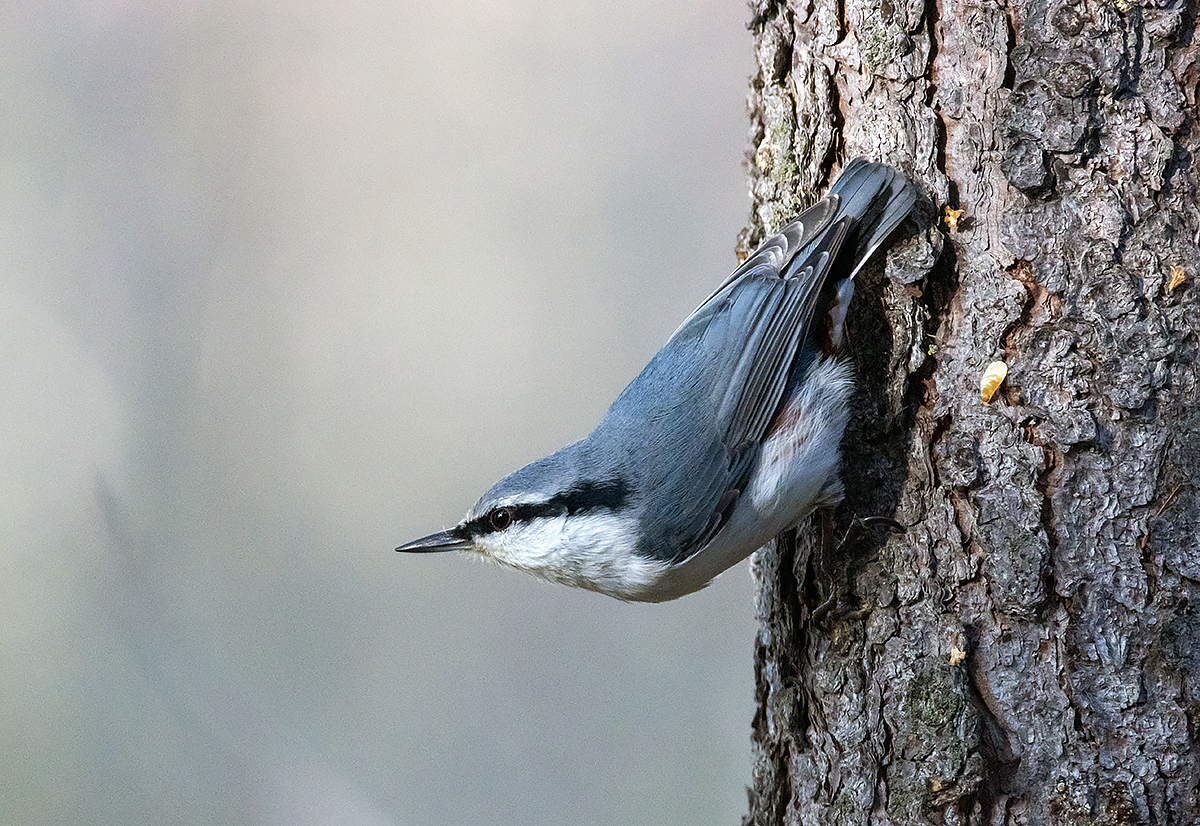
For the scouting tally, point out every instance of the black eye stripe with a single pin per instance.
(585, 498)
(592, 496)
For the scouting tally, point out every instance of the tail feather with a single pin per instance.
(865, 204)
(877, 198)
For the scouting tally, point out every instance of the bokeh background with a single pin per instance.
(285, 285)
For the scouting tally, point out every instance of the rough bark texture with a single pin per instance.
(1028, 651)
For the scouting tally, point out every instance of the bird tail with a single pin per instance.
(876, 198)
(866, 202)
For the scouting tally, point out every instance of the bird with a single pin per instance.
(729, 436)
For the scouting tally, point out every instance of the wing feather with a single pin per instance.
(775, 253)
(709, 397)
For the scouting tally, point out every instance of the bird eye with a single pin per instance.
(500, 518)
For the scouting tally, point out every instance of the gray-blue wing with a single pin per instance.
(755, 323)
(706, 400)
(775, 252)
(754, 338)
(737, 352)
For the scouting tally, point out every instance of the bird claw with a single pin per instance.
(864, 522)
(834, 610)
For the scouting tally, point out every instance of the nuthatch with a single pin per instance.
(729, 436)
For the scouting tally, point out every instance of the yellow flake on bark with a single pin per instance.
(993, 377)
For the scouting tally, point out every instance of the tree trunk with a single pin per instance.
(1028, 650)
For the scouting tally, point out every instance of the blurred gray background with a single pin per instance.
(283, 286)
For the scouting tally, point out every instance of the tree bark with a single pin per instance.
(1028, 650)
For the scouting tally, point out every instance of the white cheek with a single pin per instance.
(525, 545)
(594, 551)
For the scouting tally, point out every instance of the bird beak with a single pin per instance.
(450, 540)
